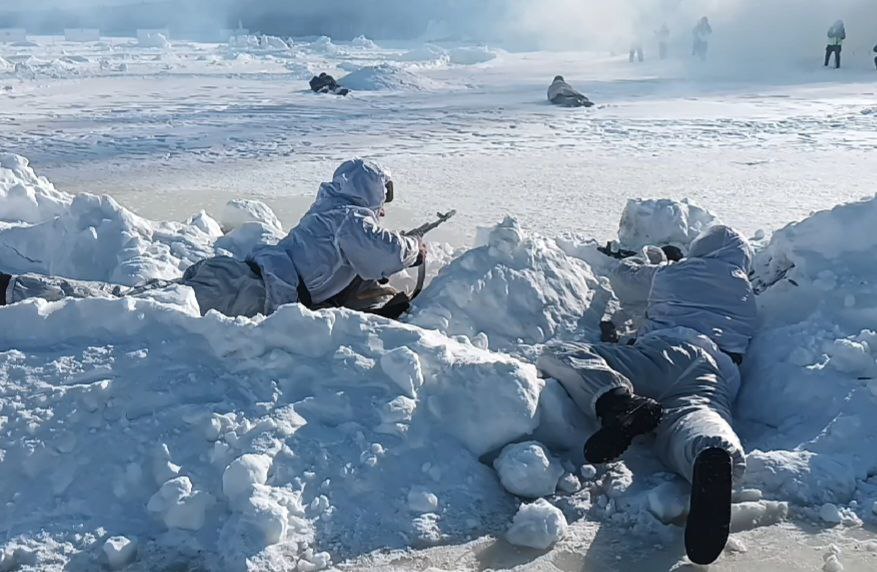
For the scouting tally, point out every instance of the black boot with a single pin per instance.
(623, 416)
(709, 515)
(4, 286)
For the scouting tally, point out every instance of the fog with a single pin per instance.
(745, 31)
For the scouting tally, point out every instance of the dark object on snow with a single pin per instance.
(4, 285)
(623, 416)
(875, 59)
(620, 254)
(673, 253)
(709, 516)
(608, 332)
(324, 83)
(836, 36)
(563, 94)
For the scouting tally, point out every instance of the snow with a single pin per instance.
(120, 551)
(528, 470)
(312, 440)
(386, 77)
(537, 525)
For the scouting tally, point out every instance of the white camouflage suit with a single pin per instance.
(699, 311)
(339, 250)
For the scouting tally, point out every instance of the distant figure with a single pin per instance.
(636, 51)
(324, 83)
(875, 57)
(663, 37)
(836, 36)
(701, 33)
(562, 93)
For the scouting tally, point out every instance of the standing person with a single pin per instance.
(679, 378)
(701, 32)
(636, 51)
(663, 37)
(875, 57)
(836, 36)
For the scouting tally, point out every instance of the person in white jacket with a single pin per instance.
(679, 378)
(338, 255)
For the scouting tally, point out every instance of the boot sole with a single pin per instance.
(709, 517)
(609, 443)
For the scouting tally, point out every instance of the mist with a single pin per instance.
(746, 32)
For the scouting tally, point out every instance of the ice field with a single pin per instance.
(135, 433)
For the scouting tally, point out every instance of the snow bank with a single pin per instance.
(257, 43)
(238, 212)
(386, 77)
(470, 55)
(518, 289)
(261, 444)
(26, 197)
(364, 43)
(662, 221)
(153, 40)
(810, 370)
(428, 54)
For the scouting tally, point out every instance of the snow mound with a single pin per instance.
(324, 45)
(265, 438)
(238, 212)
(537, 525)
(257, 43)
(364, 43)
(386, 77)
(428, 54)
(94, 238)
(470, 55)
(518, 289)
(662, 221)
(26, 197)
(810, 370)
(528, 470)
(153, 40)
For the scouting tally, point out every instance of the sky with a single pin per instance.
(754, 28)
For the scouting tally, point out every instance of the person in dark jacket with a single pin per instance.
(836, 36)
(563, 94)
(324, 83)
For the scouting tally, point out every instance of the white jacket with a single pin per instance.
(339, 238)
(708, 292)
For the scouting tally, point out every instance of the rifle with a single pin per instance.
(421, 230)
(419, 233)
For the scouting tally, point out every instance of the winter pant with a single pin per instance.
(636, 52)
(662, 50)
(221, 283)
(361, 295)
(695, 394)
(700, 49)
(832, 49)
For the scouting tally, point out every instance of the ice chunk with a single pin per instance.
(528, 470)
(422, 500)
(179, 506)
(244, 472)
(537, 525)
(403, 366)
(829, 513)
(661, 221)
(26, 197)
(238, 212)
(669, 501)
(120, 551)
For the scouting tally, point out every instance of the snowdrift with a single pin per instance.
(386, 77)
(137, 431)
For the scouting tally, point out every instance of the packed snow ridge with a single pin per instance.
(136, 432)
